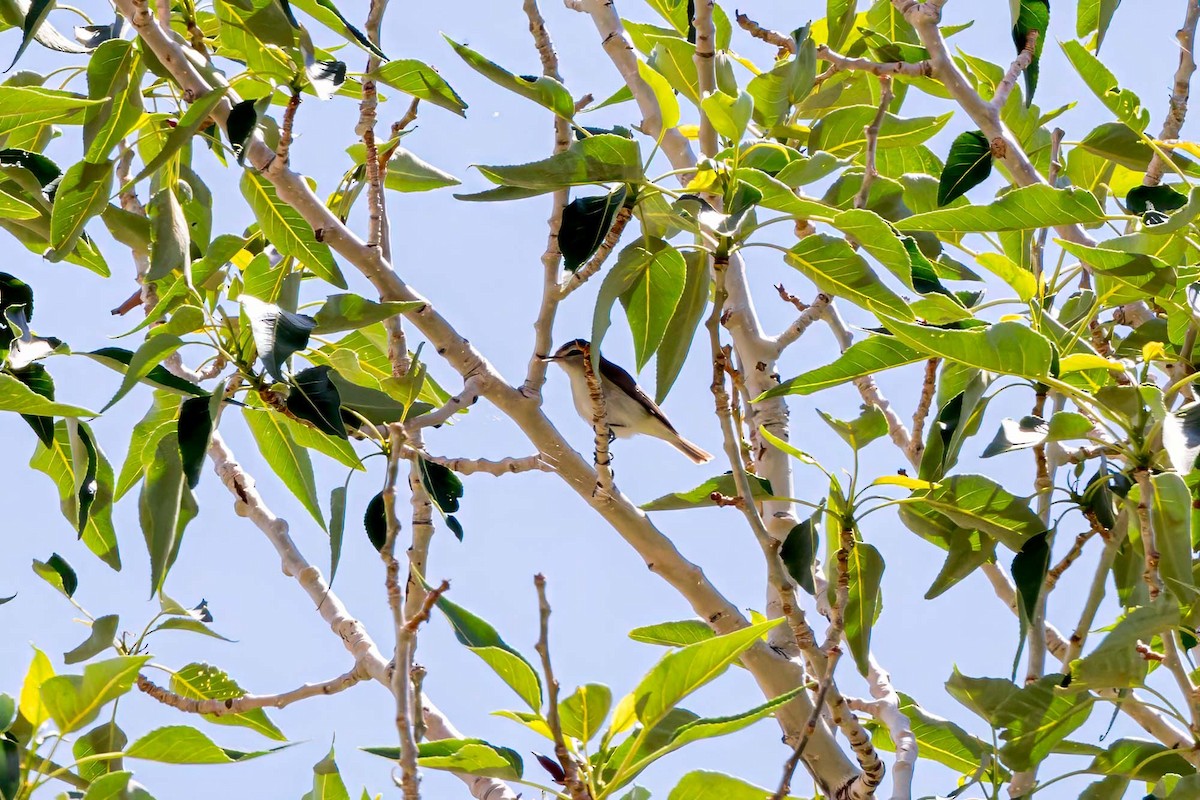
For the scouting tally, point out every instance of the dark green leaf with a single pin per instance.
(197, 417)
(968, 165)
(606, 158)
(585, 223)
(1157, 198)
(34, 17)
(799, 550)
(543, 90)
(277, 333)
(681, 328)
(58, 573)
(337, 528)
(1029, 569)
(119, 359)
(375, 521)
(165, 507)
(39, 381)
(1034, 15)
(143, 362)
(314, 398)
(344, 312)
(170, 247)
(442, 484)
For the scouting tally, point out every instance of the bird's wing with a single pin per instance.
(624, 381)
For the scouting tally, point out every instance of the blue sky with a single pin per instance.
(479, 264)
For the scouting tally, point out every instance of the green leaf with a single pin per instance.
(288, 460)
(1038, 716)
(968, 165)
(866, 357)
(701, 496)
(59, 462)
(8, 711)
(114, 76)
(472, 756)
(58, 573)
(703, 785)
(75, 700)
(109, 786)
(165, 507)
(1031, 15)
(107, 737)
(1007, 348)
(1029, 569)
(82, 193)
(799, 551)
(170, 242)
(841, 132)
(195, 118)
(1022, 281)
(328, 14)
(277, 333)
(27, 106)
(606, 158)
(159, 419)
(197, 418)
(681, 672)
(1139, 760)
(1115, 662)
(190, 625)
(543, 90)
(13, 207)
(585, 223)
(147, 357)
(421, 81)
(664, 95)
(673, 634)
(1124, 104)
(119, 359)
(978, 503)
(1026, 208)
(34, 17)
(181, 744)
(375, 521)
(314, 398)
(681, 328)
(865, 602)
(582, 713)
(30, 702)
(938, 739)
(1171, 516)
(729, 115)
(345, 312)
(482, 639)
(285, 228)
(406, 172)
(16, 396)
(870, 425)
(104, 629)
(1031, 431)
(1095, 16)
(206, 682)
(327, 781)
(655, 277)
(835, 268)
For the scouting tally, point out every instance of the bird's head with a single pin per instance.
(570, 354)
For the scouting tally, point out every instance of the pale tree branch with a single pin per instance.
(463, 400)
(706, 70)
(840, 63)
(503, 466)
(1146, 526)
(250, 702)
(916, 445)
(775, 673)
(1022, 63)
(1173, 124)
(810, 727)
(543, 328)
(601, 456)
(808, 315)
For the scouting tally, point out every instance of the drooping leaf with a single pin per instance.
(277, 333)
(288, 231)
(543, 90)
(1115, 662)
(585, 223)
(1124, 104)
(606, 158)
(375, 521)
(100, 639)
(152, 351)
(701, 496)
(170, 242)
(799, 551)
(197, 419)
(58, 573)
(288, 460)
(470, 756)
(165, 507)
(681, 328)
(314, 398)
(654, 277)
(483, 640)
(1032, 16)
(82, 193)
(1029, 569)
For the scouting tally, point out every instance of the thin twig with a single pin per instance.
(808, 315)
(571, 780)
(1019, 65)
(916, 446)
(1146, 525)
(870, 173)
(283, 151)
(602, 458)
(784, 43)
(248, 702)
(839, 63)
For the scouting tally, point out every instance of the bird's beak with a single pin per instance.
(548, 358)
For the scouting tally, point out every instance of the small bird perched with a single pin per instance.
(630, 409)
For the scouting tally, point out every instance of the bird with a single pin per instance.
(630, 409)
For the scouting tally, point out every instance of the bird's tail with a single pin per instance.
(690, 450)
